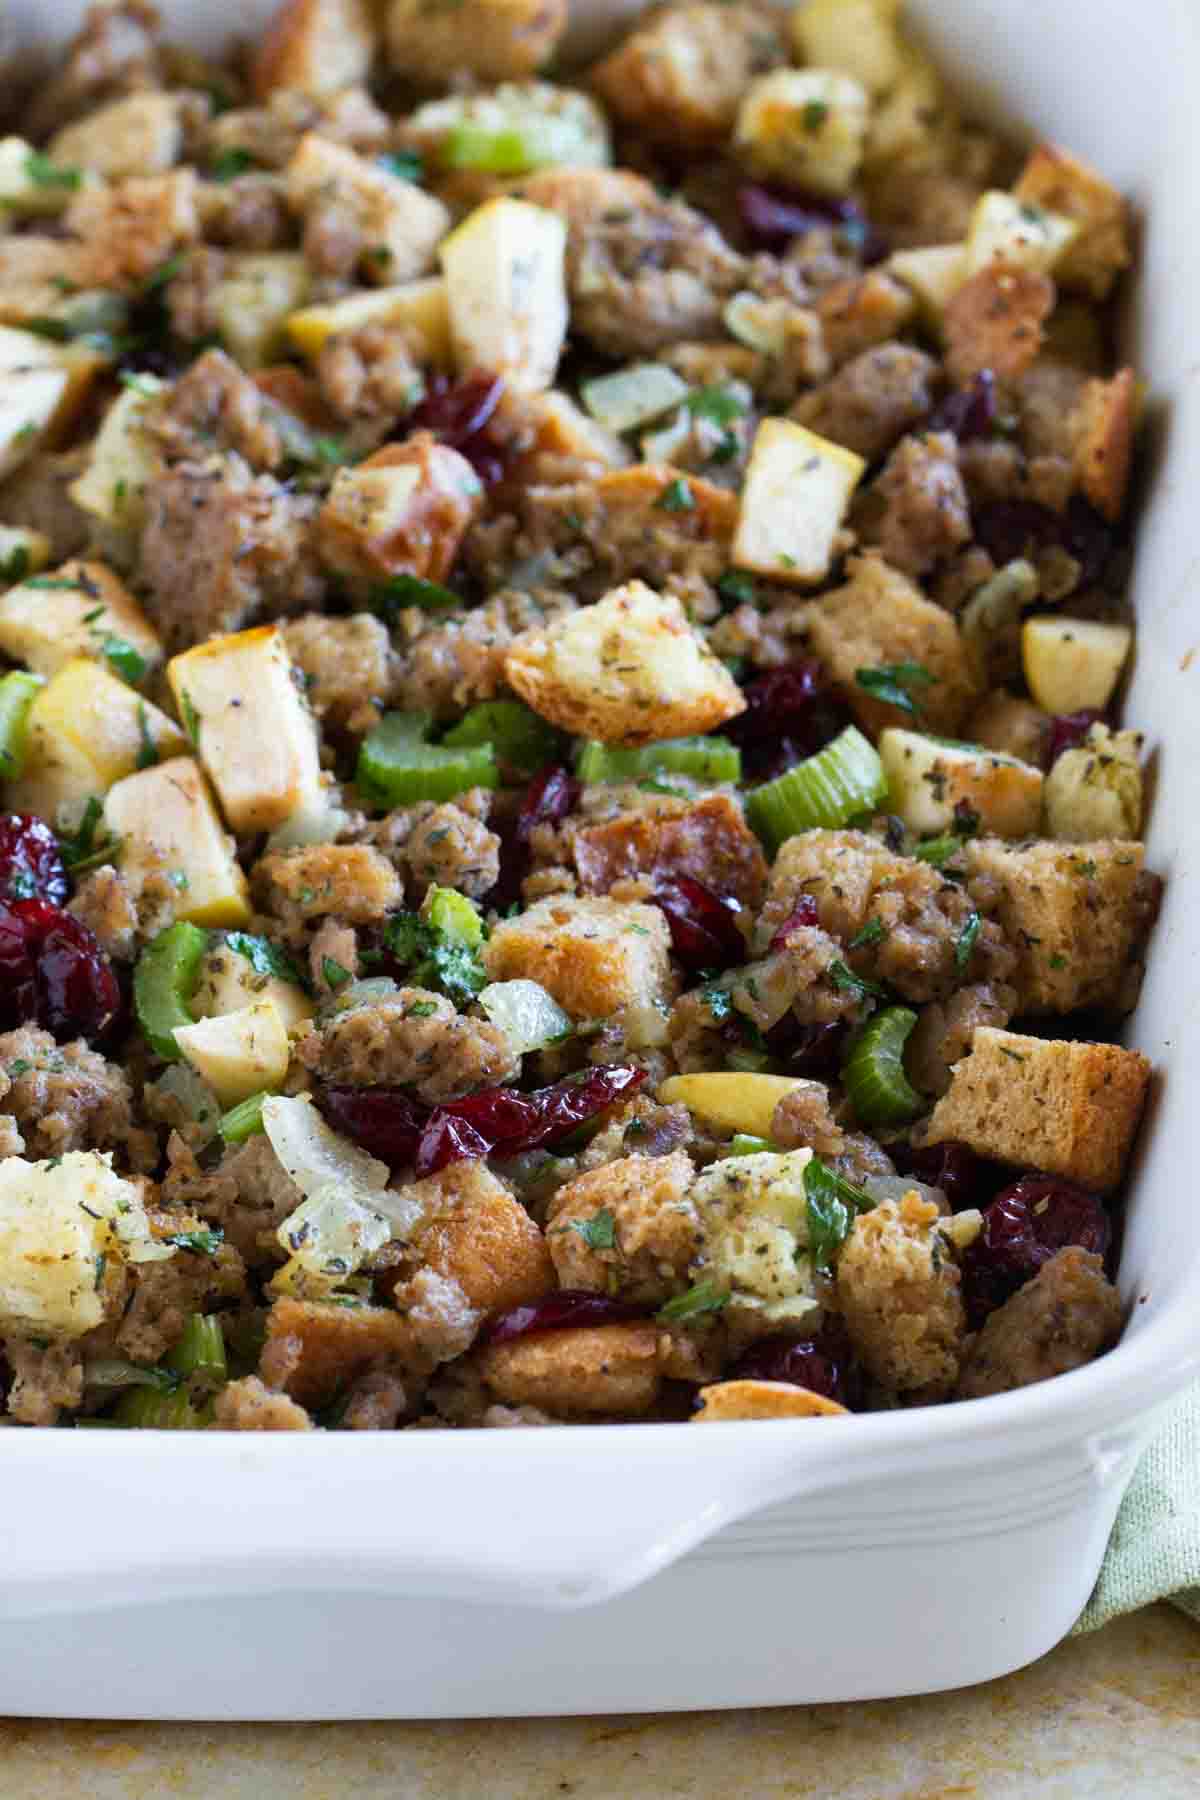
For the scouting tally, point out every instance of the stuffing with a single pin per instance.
(401, 512)
(445, 662)
(346, 666)
(411, 1039)
(33, 273)
(628, 1229)
(247, 1405)
(44, 1378)
(872, 400)
(753, 1214)
(247, 1196)
(473, 1232)
(166, 1294)
(602, 1369)
(707, 840)
(68, 1097)
(129, 230)
(141, 134)
(354, 881)
(1066, 1316)
(316, 1348)
(492, 40)
(1105, 426)
(920, 503)
(994, 321)
(1095, 790)
(859, 312)
(447, 845)
(594, 955)
(898, 1293)
(1065, 184)
(360, 218)
(314, 47)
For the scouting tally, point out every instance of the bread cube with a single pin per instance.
(1095, 791)
(994, 320)
(355, 882)
(32, 273)
(506, 291)
(254, 300)
(1076, 918)
(168, 823)
(402, 511)
(314, 1350)
(631, 669)
(898, 1290)
(493, 40)
(679, 77)
(1020, 234)
(418, 311)
(804, 126)
(928, 781)
(475, 1233)
(1067, 1109)
(1107, 423)
(1055, 179)
(753, 1213)
(652, 1234)
(140, 134)
(401, 223)
(860, 38)
(314, 47)
(592, 955)
(881, 618)
(1073, 664)
(129, 230)
(82, 609)
(239, 1053)
(122, 457)
(60, 1223)
(794, 497)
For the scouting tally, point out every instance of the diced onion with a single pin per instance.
(632, 397)
(527, 1015)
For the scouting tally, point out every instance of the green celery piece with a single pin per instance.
(164, 981)
(742, 1144)
(517, 735)
(827, 789)
(17, 690)
(200, 1350)
(704, 758)
(142, 1409)
(396, 767)
(530, 143)
(242, 1121)
(880, 1092)
(454, 915)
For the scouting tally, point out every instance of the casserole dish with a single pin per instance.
(562, 1571)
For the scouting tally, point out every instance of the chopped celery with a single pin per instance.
(879, 1090)
(454, 915)
(633, 396)
(704, 758)
(111, 1372)
(164, 980)
(519, 738)
(512, 148)
(844, 778)
(743, 1144)
(17, 690)
(396, 767)
(143, 1409)
(243, 1120)
(200, 1350)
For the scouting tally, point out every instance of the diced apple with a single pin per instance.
(794, 498)
(934, 274)
(229, 982)
(506, 291)
(82, 609)
(1070, 664)
(254, 734)
(29, 401)
(927, 780)
(805, 126)
(1007, 230)
(168, 824)
(857, 37)
(731, 1101)
(253, 301)
(141, 134)
(418, 311)
(239, 1053)
(121, 460)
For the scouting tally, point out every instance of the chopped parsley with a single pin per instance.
(891, 683)
(848, 982)
(967, 939)
(191, 718)
(815, 114)
(264, 957)
(873, 932)
(737, 587)
(43, 172)
(21, 885)
(719, 1002)
(141, 384)
(833, 1203)
(164, 274)
(15, 566)
(1058, 960)
(147, 754)
(228, 164)
(718, 404)
(699, 1301)
(62, 583)
(390, 597)
(83, 849)
(408, 165)
(1087, 869)
(434, 959)
(599, 1232)
(335, 974)
(677, 496)
(121, 656)
(201, 1243)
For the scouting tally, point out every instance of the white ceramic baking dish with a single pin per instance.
(620, 1569)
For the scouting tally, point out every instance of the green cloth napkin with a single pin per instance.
(1154, 1551)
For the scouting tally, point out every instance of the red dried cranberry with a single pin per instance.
(448, 1139)
(951, 1166)
(790, 713)
(824, 1364)
(970, 412)
(31, 866)
(703, 925)
(804, 913)
(387, 1122)
(18, 974)
(551, 797)
(54, 972)
(459, 414)
(565, 1311)
(1012, 528)
(772, 216)
(501, 1119)
(1068, 730)
(1022, 1229)
(814, 1051)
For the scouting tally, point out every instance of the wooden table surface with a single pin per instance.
(1115, 1714)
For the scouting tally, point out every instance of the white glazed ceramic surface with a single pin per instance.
(626, 1568)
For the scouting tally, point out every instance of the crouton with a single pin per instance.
(475, 1233)
(401, 512)
(353, 881)
(679, 79)
(1107, 419)
(1095, 791)
(399, 223)
(131, 229)
(83, 609)
(762, 1400)
(1054, 178)
(1010, 724)
(807, 127)
(880, 618)
(928, 781)
(862, 311)
(593, 955)
(1065, 1108)
(753, 1213)
(141, 134)
(629, 670)
(598, 1369)
(994, 321)
(1060, 1320)
(898, 1292)
(493, 40)
(314, 47)
(708, 841)
(313, 1348)
(627, 1228)
(1075, 918)
(34, 274)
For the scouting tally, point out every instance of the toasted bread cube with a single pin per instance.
(403, 224)
(355, 882)
(1076, 918)
(167, 821)
(857, 37)
(87, 611)
(898, 1289)
(591, 1370)
(229, 983)
(260, 291)
(1020, 234)
(881, 618)
(804, 126)
(22, 552)
(1108, 418)
(315, 1348)
(418, 310)
(238, 1053)
(506, 290)
(60, 1222)
(402, 511)
(254, 734)
(493, 40)
(32, 273)
(1071, 664)
(927, 780)
(129, 230)
(473, 1232)
(141, 134)
(314, 47)
(934, 273)
(1091, 263)
(994, 320)
(629, 670)
(794, 497)
(653, 1230)
(592, 955)
(679, 78)
(122, 457)
(1064, 1108)
(1095, 791)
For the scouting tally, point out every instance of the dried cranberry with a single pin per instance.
(31, 865)
(703, 925)
(791, 713)
(970, 412)
(1012, 528)
(565, 1311)
(459, 414)
(814, 1051)
(824, 1364)
(501, 1119)
(951, 1166)
(448, 1139)
(772, 216)
(1068, 730)
(384, 1121)
(54, 972)
(1022, 1229)
(804, 913)
(551, 797)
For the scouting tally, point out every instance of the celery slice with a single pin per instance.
(396, 767)
(17, 690)
(242, 1121)
(744, 1144)
(142, 1409)
(517, 735)
(513, 148)
(879, 1090)
(704, 758)
(844, 778)
(200, 1350)
(452, 913)
(632, 397)
(164, 981)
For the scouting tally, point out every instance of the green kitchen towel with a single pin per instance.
(1154, 1551)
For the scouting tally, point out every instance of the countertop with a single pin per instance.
(1114, 1714)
